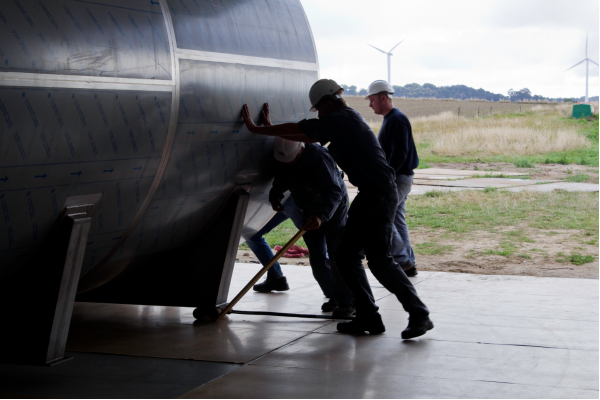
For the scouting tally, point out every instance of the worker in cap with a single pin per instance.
(369, 228)
(396, 140)
(317, 188)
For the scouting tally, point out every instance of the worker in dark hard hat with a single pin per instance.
(396, 140)
(318, 188)
(370, 220)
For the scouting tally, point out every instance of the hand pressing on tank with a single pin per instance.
(313, 222)
(265, 115)
(248, 119)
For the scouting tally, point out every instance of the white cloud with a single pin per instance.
(495, 45)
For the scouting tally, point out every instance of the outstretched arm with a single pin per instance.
(289, 131)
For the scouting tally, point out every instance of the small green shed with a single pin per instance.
(582, 110)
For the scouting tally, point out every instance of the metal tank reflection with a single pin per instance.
(129, 110)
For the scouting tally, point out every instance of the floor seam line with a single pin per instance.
(257, 358)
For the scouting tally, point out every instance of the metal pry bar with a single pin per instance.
(264, 269)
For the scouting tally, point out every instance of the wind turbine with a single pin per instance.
(389, 59)
(587, 68)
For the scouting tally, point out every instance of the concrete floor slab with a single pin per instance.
(108, 376)
(417, 190)
(460, 172)
(430, 358)
(494, 336)
(568, 186)
(257, 381)
(480, 182)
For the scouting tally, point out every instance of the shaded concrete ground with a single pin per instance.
(494, 337)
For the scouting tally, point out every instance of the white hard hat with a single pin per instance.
(321, 88)
(380, 86)
(286, 150)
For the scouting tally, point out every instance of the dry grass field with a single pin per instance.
(424, 107)
(449, 135)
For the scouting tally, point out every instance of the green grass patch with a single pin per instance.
(468, 211)
(423, 165)
(523, 163)
(524, 176)
(519, 236)
(490, 189)
(574, 258)
(280, 235)
(429, 248)
(577, 178)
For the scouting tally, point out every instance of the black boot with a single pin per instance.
(417, 326)
(344, 312)
(372, 324)
(329, 305)
(277, 284)
(409, 268)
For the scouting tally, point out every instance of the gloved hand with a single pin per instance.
(276, 204)
(314, 222)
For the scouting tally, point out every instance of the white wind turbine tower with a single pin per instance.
(587, 68)
(389, 59)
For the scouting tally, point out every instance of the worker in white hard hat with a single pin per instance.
(353, 145)
(396, 140)
(311, 175)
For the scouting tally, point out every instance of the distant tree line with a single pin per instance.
(462, 92)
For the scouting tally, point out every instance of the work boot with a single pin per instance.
(277, 284)
(409, 267)
(372, 324)
(329, 305)
(417, 326)
(343, 312)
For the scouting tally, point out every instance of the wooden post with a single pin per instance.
(459, 111)
(477, 111)
(490, 111)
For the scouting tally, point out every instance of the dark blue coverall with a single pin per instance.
(317, 186)
(370, 220)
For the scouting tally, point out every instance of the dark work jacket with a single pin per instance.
(396, 140)
(314, 181)
(353, 146)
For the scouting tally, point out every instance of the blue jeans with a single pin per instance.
(259, 245)
(401, 248)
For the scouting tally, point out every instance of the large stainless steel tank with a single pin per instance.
(139, 100)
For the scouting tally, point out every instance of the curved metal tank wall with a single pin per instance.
(140, 100)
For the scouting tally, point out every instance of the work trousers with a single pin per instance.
(401, 248)
(370, 228)
(326, 240)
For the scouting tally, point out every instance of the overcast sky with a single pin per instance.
(494, 45)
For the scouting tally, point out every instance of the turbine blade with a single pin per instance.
(575, 65)
(586, 38)
(592, 61)
(377, 48)
(397, 44)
